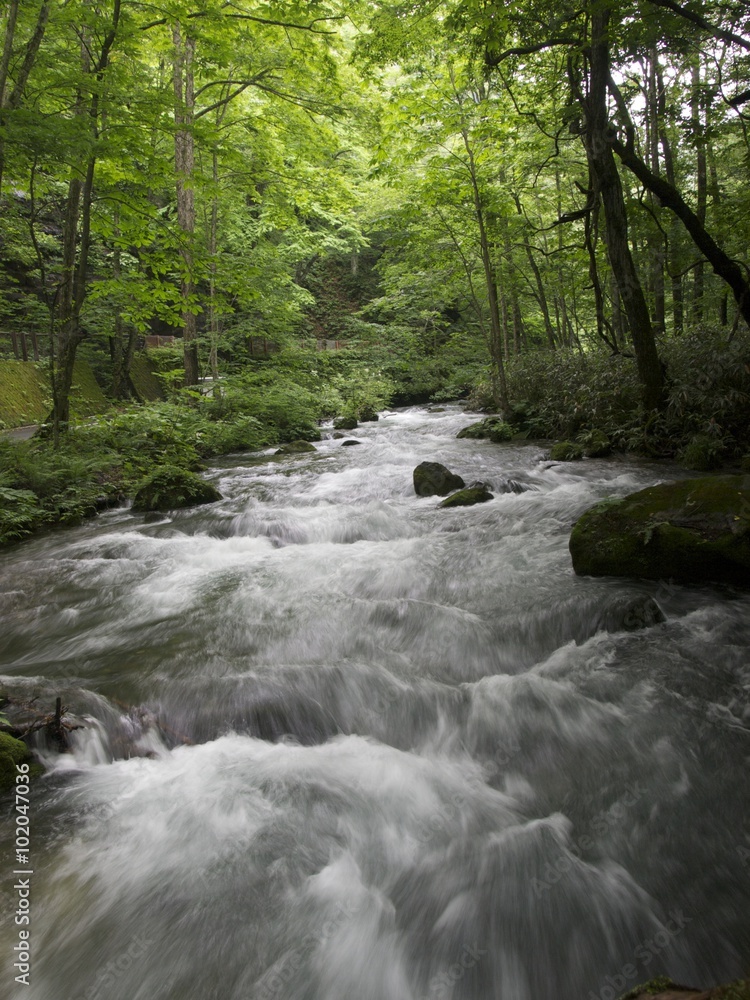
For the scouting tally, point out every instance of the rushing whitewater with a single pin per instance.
(339, 744)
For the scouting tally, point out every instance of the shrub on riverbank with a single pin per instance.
(100, 461)
(706, 420)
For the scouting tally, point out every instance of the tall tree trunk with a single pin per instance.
(700, 179)
(13, 99)
(674, 256)
(655, 238)
(213, 234)
(184, 156)
(609, 187)
(489, 274)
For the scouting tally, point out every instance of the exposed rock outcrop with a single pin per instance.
(692, 531)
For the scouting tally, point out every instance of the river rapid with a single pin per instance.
(340, 744)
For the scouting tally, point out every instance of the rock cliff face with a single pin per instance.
(693, 531)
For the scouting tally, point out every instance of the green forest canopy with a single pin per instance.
(511, 176)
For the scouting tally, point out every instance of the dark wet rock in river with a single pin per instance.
(513, 486)
(169, 488)
(345, 423)
(693, 531)
(630, 614)
(368, 415)
(295, 448)
(467, 497)
(433, 479)
(566, 451)
(349, 443)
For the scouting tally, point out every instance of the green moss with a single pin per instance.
(491, 427)
(12, 753)
(86, 397)
(25, 396)
(659, 984)
(345, 423)
(566, 451)
(596, 444)
(146, 386)
(295, 448)
(695, 530)
(500, 432)
(467, 497)
(169, 488)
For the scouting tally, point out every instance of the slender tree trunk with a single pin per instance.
(184, 155)
(13, 99)
(674, 256)
(607, 183)
(655, 238)
(489, 273)
(700, 180)
(213, 315)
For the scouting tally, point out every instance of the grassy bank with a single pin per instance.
(105, 457)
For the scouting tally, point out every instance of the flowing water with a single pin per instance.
(340, 744)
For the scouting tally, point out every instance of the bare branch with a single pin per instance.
(527, 50)
(702, 22)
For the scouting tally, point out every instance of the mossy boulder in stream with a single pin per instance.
(693, 531)
(295, 448)
(169, 488)
(345, 423)
(12, 753)
(566, 451)
(493, 428)
(433, 479)
(467, 497)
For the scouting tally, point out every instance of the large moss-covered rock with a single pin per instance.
(467, 497)
(596, 444)
(491, 427)
(295, 448)
(12, 753)
(433, 479)
(170, 487)
(566, 451)
(345, 423)
(693, 531)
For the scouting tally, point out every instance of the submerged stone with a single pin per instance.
(169, 488)
(693, 531)
(433, 479)
(467, 497)
(349, 443)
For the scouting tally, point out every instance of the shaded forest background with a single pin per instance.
(326, 208)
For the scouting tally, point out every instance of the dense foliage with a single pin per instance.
(331, 207)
